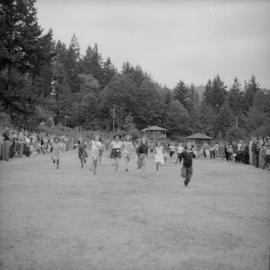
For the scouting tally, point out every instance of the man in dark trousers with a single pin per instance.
(187, 169)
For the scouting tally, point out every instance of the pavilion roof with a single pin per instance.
(199, 136)
(154, 128)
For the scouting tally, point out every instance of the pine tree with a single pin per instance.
(236, 98)
(194, 97)
(261, 101)
(108, 71)
(182, 94)
(136, 74)
(23, 52)
(225, 118)
(251, 88)
(119, 92)
(206, 118)
(149, 109)
(177, 118)
(255, 119)
(215, 93)
(71, 63)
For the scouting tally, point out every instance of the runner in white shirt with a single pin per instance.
(95, 148)
(116, 146)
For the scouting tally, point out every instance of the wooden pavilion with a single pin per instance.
(155, 132)
(198, 139)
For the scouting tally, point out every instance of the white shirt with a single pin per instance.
(116, 144)
(96, 145)
(128, 147)
(180, 149)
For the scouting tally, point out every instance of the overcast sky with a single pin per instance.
(172, 40)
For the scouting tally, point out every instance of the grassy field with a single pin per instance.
(69, 219)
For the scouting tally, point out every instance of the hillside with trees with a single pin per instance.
(41, 78)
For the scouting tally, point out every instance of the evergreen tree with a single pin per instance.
(225, 118)
(194, 97)
(108, 71)
(92, 63)
(177, 118)
(149, 109)
(236, 98)
(23, 51)
(181, 93)
(215, 93)
(119, 92)
(206, 120)
(251, 88)
(71, 64)
(60, 52)
(261, 100)
(136, 74)
(255, 119)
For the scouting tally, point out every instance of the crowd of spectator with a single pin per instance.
(255, 151)
(22, 143)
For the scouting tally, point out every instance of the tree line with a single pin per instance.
(41, 78)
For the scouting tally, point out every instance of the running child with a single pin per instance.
(187, 169)
(159, 158)
(142, 152)
(56, 149)
(95, 149)
(116, 146)
(172, 150)
(82, 152)
(101, 151)
(127, 149)
(180, 149)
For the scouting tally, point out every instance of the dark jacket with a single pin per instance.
(187, 157)
(142, 149)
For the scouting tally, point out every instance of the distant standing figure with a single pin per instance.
(267, 153)
(6, 145)
(187, 169)
(254, 152)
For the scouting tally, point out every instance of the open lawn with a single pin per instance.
(69, 219)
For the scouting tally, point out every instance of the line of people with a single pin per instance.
(22, 143)
(255, 152)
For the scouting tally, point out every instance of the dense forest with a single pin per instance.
(43, 79)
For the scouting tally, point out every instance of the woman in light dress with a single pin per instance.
(95, 151)
(159, 156)
(127, 149)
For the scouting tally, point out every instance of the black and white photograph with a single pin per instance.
(134, 134)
